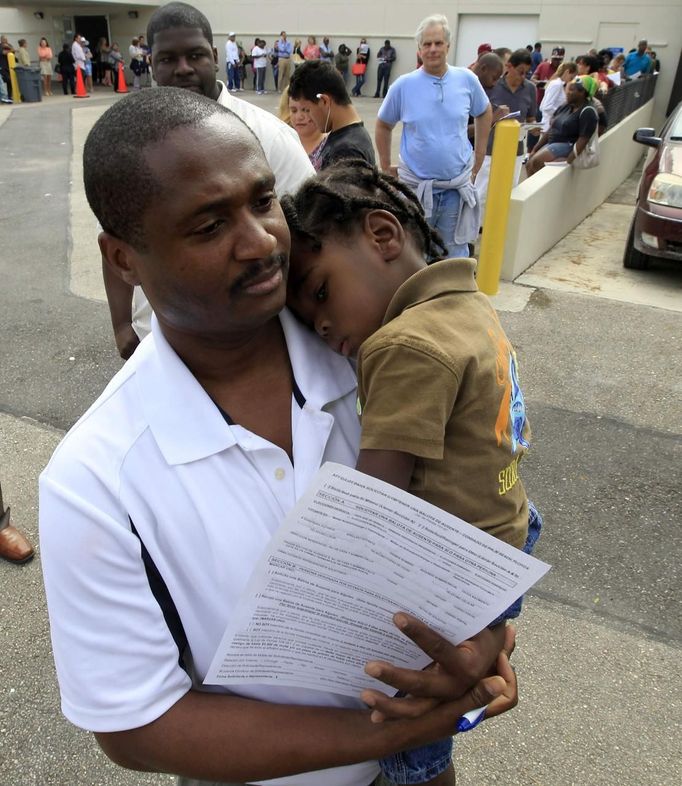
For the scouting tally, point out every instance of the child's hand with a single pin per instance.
(453, 672)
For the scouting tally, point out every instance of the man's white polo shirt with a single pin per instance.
(154, 456)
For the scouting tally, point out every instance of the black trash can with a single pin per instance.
(29, 84)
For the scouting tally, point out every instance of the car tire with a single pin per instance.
(633, 259)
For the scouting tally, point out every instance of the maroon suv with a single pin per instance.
(656, 228)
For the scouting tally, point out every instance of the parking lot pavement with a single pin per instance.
(589, 260)
(599, 639)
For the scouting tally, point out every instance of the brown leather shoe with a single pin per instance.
(14, 546)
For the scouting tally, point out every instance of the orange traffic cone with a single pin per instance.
(121, 86)
(81, 92)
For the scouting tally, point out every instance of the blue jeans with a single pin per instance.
(260, 79)
(446, 205)
(383, 75)
(233, 82)
(560, 149)
(359, 82)
(423, 764)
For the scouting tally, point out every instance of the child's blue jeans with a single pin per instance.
(421, 765)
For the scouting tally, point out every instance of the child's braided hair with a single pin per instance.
(338, 196)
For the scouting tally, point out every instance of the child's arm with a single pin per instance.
(391, 466)
(396, 467)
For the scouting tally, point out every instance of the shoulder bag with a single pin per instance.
(589, 158)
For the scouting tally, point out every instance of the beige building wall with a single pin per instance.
(575, 26)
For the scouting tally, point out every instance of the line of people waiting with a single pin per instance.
(284, 56)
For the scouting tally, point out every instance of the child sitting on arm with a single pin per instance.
(443, 415)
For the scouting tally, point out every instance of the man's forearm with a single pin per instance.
(482, 125)
(382, 138)
(227, 738)
(120, 299)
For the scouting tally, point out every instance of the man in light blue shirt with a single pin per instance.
(284, 51)
(436, 158)
(638, 62)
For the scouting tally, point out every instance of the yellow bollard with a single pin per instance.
(497, 206)
(11, 62)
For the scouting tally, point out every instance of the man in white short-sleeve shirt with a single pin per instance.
(182, 56)
(232, 63)
(158, 503)
(434, 103)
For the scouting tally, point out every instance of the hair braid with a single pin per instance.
(342, 193)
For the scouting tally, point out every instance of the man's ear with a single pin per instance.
(386, 232)
(120, 256)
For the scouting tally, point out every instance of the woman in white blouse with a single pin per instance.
(555, 92)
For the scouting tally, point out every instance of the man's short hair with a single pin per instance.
(178, 15)
(317, 76)
(435, 20)
(119, 185)
(490, 61)
(520, 57)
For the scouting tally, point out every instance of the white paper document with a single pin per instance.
(352, 552)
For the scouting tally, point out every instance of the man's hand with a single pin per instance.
(126, 341)
(454, 670)
(390, 170)
(500, 112)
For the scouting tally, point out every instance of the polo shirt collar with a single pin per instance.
(224, 96)
(440, 278)
(186, 423)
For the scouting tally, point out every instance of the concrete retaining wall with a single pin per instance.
(547, 206)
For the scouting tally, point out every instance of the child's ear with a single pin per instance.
(386, 232)
(120, 256)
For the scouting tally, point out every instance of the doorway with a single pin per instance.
(92, 28)
(512, 30)
(617, 34)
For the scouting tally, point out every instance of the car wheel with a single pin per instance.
(633, 259)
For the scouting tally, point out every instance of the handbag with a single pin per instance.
(589, 157)
(358, 69)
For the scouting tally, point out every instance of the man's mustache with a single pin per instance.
(257, 269)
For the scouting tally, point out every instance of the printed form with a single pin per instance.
(351, 553)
